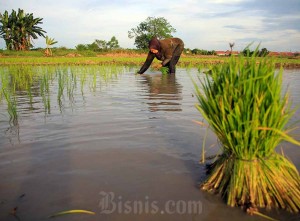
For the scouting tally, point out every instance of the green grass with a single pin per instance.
(243, 104)
(67, 60)
(121, 57)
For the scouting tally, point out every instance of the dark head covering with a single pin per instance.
(155, 44)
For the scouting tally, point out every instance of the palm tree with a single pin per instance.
(231, 45)
(33, 30)
(5, 30)
(19, 29)
(49, 42)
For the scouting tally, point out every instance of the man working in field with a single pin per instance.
(167, 50)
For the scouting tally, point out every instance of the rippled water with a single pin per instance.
(129, 135)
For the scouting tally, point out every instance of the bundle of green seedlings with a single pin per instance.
(243, 103)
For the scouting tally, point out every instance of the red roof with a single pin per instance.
(289, 54)
(227, 52)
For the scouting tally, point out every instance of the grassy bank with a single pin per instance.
(121, 57)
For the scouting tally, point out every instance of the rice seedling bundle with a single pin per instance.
(242, 101)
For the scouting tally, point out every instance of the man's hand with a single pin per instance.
(166, 61)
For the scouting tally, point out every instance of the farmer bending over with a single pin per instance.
(168, 51)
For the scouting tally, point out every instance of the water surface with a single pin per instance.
(129, 135)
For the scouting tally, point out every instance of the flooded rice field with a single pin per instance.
(106, 140)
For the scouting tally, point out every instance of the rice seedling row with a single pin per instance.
(26, 86)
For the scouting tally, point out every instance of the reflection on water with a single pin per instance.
(164, 92)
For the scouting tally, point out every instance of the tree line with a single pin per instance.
(18, 29)
(99, 45)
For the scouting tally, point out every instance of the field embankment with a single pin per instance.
(137, 59)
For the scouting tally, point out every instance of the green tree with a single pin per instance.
(247, 52)
(202, 52)
(113, 43)
(19, 29)
(81, 47)
(93, 47)
(260, 53)
(102, 44)
(263, 52)
(152, 26)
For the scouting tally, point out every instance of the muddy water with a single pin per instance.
(127, 149)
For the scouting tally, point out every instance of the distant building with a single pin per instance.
(226, 53)
(283, 54)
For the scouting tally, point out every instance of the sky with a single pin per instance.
(202, 24)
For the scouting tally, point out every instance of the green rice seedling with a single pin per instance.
(11, 107)
(45, 92)
(3, 83)
(71, 84)
(164, 70)
(41, 82)
(243, 103)
(82, 81)
(61, 78)
(94, 82)
(29, 93)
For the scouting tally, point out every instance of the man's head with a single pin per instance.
(154, 45)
